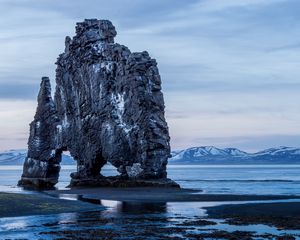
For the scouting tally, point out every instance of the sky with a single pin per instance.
(230, 68)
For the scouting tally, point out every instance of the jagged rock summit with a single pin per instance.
(107, 107)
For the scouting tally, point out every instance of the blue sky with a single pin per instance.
(230, 68)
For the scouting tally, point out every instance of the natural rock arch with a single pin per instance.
(107, 107)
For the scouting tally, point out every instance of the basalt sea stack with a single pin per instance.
(107, 107)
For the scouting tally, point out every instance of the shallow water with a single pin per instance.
(130, 220)
(124, 220)
(221, 179)
(239, 179)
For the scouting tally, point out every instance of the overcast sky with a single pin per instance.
(230, 68)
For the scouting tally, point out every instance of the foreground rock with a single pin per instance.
(108, 107)
(41, 167)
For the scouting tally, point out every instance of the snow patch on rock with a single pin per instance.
(134, 171)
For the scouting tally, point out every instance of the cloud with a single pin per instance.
(18, 90)
(229, 68)
(209, 87)
(15, 116)
(220, 5)
(289, 47)
(251, 143)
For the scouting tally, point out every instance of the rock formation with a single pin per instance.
(41, 167)
(108, 107)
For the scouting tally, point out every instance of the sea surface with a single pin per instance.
(220, 179)
(131, 220)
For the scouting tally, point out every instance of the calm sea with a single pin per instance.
(129, 219)
(224, 179)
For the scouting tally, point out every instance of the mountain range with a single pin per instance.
(194, 155)
(213, 155)
(17, 157)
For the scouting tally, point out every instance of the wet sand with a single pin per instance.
(282, 215)
(148, 194)
(14, 205)
(144, 211)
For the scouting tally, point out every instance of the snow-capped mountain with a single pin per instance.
(235, 152)
(281, 151)
(17, 157)
(213, 155)
(194, 155)
(207, 151)
(12, 157)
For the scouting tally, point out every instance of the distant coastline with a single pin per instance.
(204, 155)
(232, 156)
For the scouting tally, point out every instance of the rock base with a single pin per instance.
(119, 182)
(37, 183)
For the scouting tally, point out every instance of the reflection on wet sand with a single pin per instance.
(128, 207)
(142, 208)
(130, 220)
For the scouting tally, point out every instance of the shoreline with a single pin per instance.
(87, 199)
(19, 204)
(150, 194)
(135, 204)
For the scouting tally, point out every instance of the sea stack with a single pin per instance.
(108, 108)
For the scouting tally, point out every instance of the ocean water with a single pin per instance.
(142, 220)
(221, 179)
(239, 179)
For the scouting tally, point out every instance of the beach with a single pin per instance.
(150, 194)
(88, 199)
(213, 203)
(14, 205)
(147, 209)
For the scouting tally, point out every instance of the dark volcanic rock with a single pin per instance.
(41, 167)
(110, 108)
